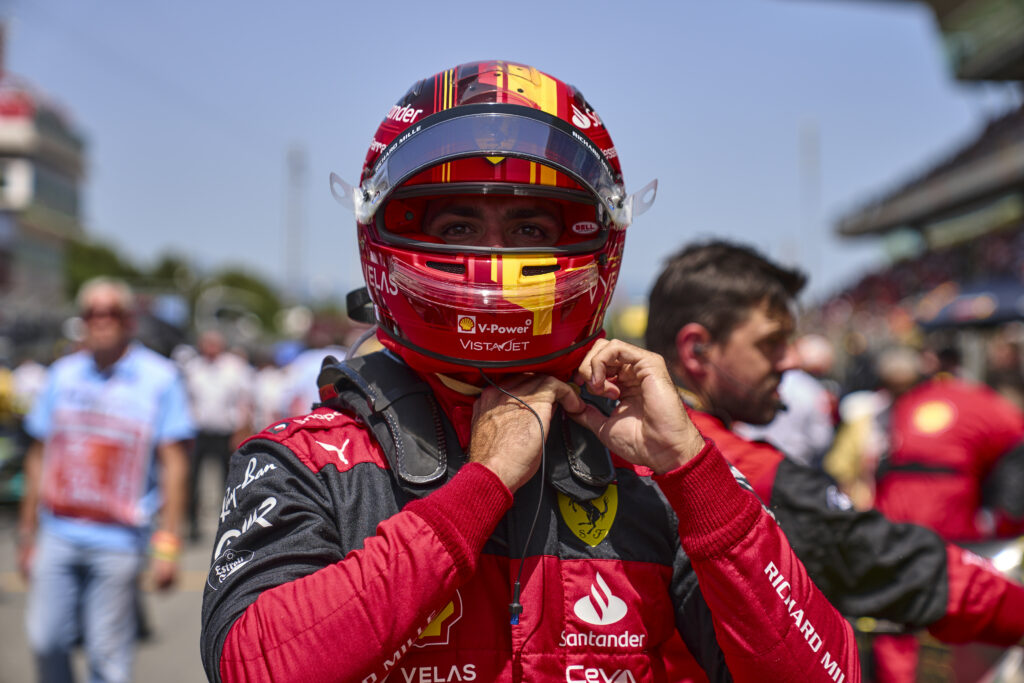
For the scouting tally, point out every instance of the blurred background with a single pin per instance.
(186, 147)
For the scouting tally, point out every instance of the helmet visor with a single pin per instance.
(516, 282)
(556, 226)
(493, 130)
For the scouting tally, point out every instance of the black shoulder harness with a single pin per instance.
(420, 442)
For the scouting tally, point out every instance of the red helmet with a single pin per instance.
(500, 129)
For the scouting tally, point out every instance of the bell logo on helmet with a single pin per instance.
(467, 324)
(585, 228)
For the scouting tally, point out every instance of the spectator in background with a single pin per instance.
(944, 361)
(805, 424)
(862, 439)
(7, 396)
(859, 374)
(29, 379)
(299, 391)
(1003, 369)
(19, 388)
(109, 430)
(220, 388)
(268, 388)
(859, 444)
(9, 419)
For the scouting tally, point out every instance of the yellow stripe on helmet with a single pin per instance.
(540, 296)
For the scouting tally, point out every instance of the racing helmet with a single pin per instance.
(497, 129)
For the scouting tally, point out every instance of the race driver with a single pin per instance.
(721, 314)
(456, 510)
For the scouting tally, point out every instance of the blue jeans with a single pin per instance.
(88, 593)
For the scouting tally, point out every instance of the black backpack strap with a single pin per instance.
(378, 388)
(580, 466)
(419, 441)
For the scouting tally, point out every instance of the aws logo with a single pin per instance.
(438, 631)
(592, 520)
(467, 324)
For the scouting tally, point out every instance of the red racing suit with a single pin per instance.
(867, 565)
(328, 567)
(945, 436)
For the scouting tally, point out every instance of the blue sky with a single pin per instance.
(190, 107)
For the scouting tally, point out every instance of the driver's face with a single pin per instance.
(495, 222)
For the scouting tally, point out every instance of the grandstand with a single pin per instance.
(956, 234)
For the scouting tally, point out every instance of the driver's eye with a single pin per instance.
(455, 231)
(532, 231)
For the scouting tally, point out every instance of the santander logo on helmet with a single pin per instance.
(470, 133)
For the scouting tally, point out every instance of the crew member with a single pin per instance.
(721, 314)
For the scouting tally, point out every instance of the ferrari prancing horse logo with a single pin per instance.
(590, 521)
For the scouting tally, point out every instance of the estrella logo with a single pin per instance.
(467, 324)
(438, 631)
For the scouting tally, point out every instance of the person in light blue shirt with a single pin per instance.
(105, 483)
